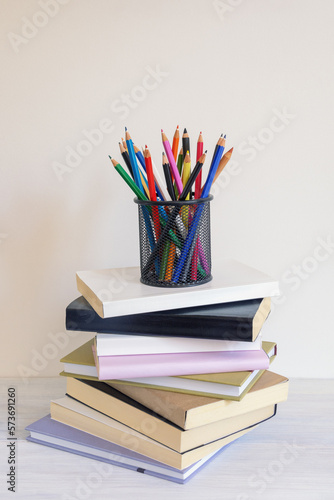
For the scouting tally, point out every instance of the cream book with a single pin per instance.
(118, 292)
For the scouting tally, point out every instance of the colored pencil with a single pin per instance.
(179, 167)
(172, 162)
(132, 185)
(144, 183)
(170, 262)
(180, 161)
(126, 158)
(185, 177)
(168, 177)
(157, 187)
(124, 144)
(214, 167)
(140, 156)
(198, 182)
(222, 164)
(185, 142)
(149, 172)
(175, 145)
(133, 159)
(186, 171)
(198, 185)
(153, 195)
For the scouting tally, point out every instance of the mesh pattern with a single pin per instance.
(175, 242)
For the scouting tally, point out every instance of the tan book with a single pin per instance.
(189, 411)
(75, 414)
(105, 399)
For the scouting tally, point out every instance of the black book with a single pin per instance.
(240, 320)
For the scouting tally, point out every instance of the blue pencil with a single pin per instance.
(133, 159)
(189, 244)
(140, 156)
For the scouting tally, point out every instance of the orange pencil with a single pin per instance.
(175, 145)
(222, 164)
(170, 262)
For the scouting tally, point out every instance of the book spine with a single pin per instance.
(159, 365)
(156, 325)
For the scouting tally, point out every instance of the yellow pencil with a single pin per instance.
(143, 181)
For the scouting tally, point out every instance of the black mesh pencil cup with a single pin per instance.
(175, 242)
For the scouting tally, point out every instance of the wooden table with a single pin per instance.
(290, 457)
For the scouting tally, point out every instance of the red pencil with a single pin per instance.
(151, 187)
(149, 173)
(198, 182)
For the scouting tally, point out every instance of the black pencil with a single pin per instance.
(168, 177)
(126, 158)
(185, 142)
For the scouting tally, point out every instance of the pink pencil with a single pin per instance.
(172, 163)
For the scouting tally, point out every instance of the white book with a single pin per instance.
(119, 292)
(118, 345)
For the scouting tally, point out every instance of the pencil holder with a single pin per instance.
(175, 242)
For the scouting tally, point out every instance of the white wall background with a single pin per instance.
(228, 67)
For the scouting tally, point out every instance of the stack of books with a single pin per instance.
(172, 376)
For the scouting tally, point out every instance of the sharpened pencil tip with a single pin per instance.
(110, 157)
(161, 131)
(225, 136)
(145, 146)
(177, 127)
(185, 131)
(205, 151)
(126, 128)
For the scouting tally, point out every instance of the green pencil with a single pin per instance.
(180, 161)
(132, 185)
